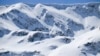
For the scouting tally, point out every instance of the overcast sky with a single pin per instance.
(7, 2)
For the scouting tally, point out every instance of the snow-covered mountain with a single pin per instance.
(50, 30)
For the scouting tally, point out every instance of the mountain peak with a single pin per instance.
(19, 5)
(39, 5)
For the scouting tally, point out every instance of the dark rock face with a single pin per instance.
(92, 28)
(8, 53)
(91, 48)
(53, 47)
(49, 19)
(65, 40)
(3, 32)
(75, 26)
(21, 33)
(38, 36)
(69, 32)
(4, 16)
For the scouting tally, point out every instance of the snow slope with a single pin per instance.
(76, 47)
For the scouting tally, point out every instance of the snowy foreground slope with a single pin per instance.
(50, 30)
(87, 44)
